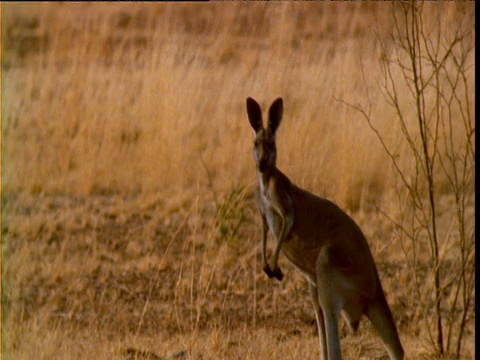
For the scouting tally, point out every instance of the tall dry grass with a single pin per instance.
(106, 102)
(115, 98)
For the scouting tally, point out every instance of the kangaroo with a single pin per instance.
(322, 242)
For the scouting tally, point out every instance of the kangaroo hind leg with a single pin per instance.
(331, 303)
(320, 322)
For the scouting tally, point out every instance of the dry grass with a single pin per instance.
(154, 98)
(128, 222)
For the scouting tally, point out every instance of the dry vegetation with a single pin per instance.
(128, 224)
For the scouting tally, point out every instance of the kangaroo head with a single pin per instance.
(264, 149)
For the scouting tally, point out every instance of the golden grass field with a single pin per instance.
(129, 228)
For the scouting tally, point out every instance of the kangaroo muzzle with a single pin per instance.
(263, 165)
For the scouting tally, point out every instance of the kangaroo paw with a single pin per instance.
(268, 271)
(277, 273)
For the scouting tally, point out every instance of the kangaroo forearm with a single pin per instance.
(284, 230)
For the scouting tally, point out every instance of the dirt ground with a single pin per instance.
(141, 268)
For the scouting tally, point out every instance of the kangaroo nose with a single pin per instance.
(263, 165)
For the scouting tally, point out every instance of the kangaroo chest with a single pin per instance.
(274, 220)
(294, 248)
(300, 249)
(271, 210)
(277, 208)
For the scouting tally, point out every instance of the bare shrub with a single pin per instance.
(425, 79)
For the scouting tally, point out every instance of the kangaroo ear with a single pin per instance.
(254, 114)
(275, 115)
